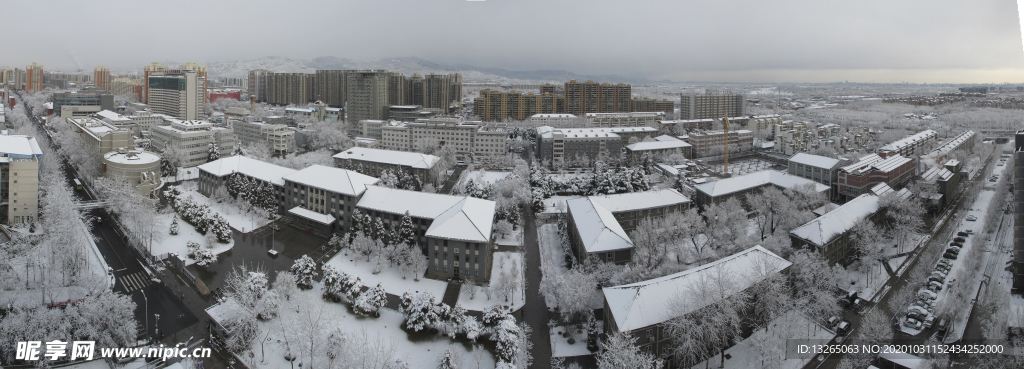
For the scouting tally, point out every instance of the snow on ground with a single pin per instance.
(184, 174)
(578, 173)
(503, 261)
(481, 177)
(231, 210)
(556, 204)
(876, 273)
(560, 346)
(390, 278)
(424, 353)
(745, 166)
(177, 243)
(552, 259)
(513, 239)
(749, 352)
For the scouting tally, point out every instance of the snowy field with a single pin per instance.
(168, 243)
(556, 204)
(383, 334)
(560, 346)
(768, 350)
(867, 281)
(745, 166)
(481, 177)
(390, 278)
(239, 219)
(503, 262)
(512, 239)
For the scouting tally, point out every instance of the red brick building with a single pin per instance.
(858, 178)
(224, 94)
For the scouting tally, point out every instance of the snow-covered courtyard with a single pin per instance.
(508, 263)
(366, 336)
(177, 244)
(390, 277)
(232, 210)
(481, 177)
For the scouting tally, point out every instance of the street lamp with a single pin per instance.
(145, 316)
(156, 323)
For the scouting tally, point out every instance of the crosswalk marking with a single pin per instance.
(133, 281)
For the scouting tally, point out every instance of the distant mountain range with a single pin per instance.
(406, 65)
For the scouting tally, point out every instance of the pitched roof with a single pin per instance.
(403, 158)
(909, 140)
(332, 179)
(312, 215)
(468, 220)
(642, 304)
(753, 180)
(640, 200)
(19, 146)
(823, 229)
(814, 160)
(658, 145)
(598, 229)
(251, 167)
(874, 162)
(419, 204)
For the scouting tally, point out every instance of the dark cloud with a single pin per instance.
(681, 40)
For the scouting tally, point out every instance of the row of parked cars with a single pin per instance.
(920, 313)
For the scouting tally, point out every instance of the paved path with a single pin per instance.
(534, 312)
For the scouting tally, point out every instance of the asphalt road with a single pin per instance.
(151, 297)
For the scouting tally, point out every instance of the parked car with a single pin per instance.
(917, 315)
(832, 321)
(912, 323)
(843, 328)
(943, 325)
(942, 268)
(949, 255)
(939, 273)
(953, 249)
(926, 294)
(929, 321)
(962, 234)
(957, 244)
(972, 218)
(858, 304)
(936, 279)
(934, 286)
(969, 231)
(945, 262)
(959, 239)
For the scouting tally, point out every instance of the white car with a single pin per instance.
(971, 218)
(912, 323)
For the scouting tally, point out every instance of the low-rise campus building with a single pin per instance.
(372, 161)
(598, 225)
(858, 178)
(722, 190)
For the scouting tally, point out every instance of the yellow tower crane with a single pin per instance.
(725, 162)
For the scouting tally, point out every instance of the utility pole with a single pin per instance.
(146, 313)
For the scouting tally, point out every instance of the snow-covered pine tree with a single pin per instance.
(167, 169)
(406, 230)
(353, 287)
(448, 360)
(204, 257)
(213, 154)
(174, 225)
(418, 310)
(371, 301)
(192, 247)
(304, 270)
(333, 279)
(379, 232)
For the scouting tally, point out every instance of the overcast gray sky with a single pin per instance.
(738, 40)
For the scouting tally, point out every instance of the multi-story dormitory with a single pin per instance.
(454, 232)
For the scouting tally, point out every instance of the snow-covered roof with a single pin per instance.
(666, 138)
(468, 220)
(646, 303)
(299, 110)
(598, 229)
(814, 160)
(225, 311)
(419, 204)
(402, 158)
(909, 140)
(332, 179)
(552, 116)
(112, 116)
(874, 162)
(640, 200)
(19, 146)
(658, 145)
(326, 219)
(668, 169)
(953, 143)
(823, 229)
(825, 208)
(251, 167)
(547, 131)
(132, 157)
(757, 179)
(937, 174)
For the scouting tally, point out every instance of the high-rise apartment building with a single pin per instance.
(126, 87)
(500, 105)
(712, 105)
(101, 77)
(201, 72)
(397, 90)
(329, 87)
(367, 95)
(592, 97)
(258, 84)
(415, 90)
(441, 90)
(149, 70)
(289, 88)
(654, 105)
(33, 78)
(180, 94)
(19, 179)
